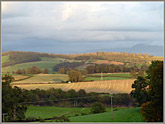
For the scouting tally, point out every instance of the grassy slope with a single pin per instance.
(49, 64)
(5, 59)
(124, 115)
(44, 78)
(46, 62)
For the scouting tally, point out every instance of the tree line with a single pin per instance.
(31, 70)
(67, 65)
(113, 68)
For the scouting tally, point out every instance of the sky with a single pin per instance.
(76, 27)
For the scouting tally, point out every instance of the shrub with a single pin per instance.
(97, 107)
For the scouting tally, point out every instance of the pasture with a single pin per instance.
(50, 111)
(123, 115)
(43, 78)
(108, 76)
(76, 114)
(108, 86)
(46, 62)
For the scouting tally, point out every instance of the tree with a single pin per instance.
(11, 99)
(133, 74)
(140, 93)
(152, 111)
(46, 71)
(62, 71)
(97, 107)
(19, 71)
(84, 72)
(141, 73)
(75, 76)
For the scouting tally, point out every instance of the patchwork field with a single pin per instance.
(108, 86)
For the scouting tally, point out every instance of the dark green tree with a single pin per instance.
(11, 99)
(140, 90)
(152, 110)
(97, 107)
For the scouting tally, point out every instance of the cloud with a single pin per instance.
(82, 22)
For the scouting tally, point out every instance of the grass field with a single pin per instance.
(123, 115)
(75, 114)
(19, 77)
(48, 111)
(46, 62)
(5, 59)
(43, 78)
(108, 86)
(104, 78)
(110, 76)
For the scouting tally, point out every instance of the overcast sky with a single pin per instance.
(69, 27)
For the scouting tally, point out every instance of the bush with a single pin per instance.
(31, 118)
(97, 107)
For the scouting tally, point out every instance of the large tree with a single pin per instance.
(152, 110)
(140, 93)
(75, 76)
(12, 99)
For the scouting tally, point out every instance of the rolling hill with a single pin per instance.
(14, 60)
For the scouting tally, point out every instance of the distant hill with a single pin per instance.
(14, 60)
(139, 48)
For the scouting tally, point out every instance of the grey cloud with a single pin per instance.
(53, 24)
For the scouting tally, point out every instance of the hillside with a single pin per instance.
(123, 115)
(14, 60)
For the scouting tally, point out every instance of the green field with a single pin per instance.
(45, 78)
(48, 111)
(75, 114)
(111, 74)
(46, 62)
(123, 115)
(105, 78)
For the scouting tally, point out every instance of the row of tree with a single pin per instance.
(32, 70)
(113, 68)
(67, 65)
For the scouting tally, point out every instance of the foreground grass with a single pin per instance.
(76, 114)
(51, 111)
(123, 115)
